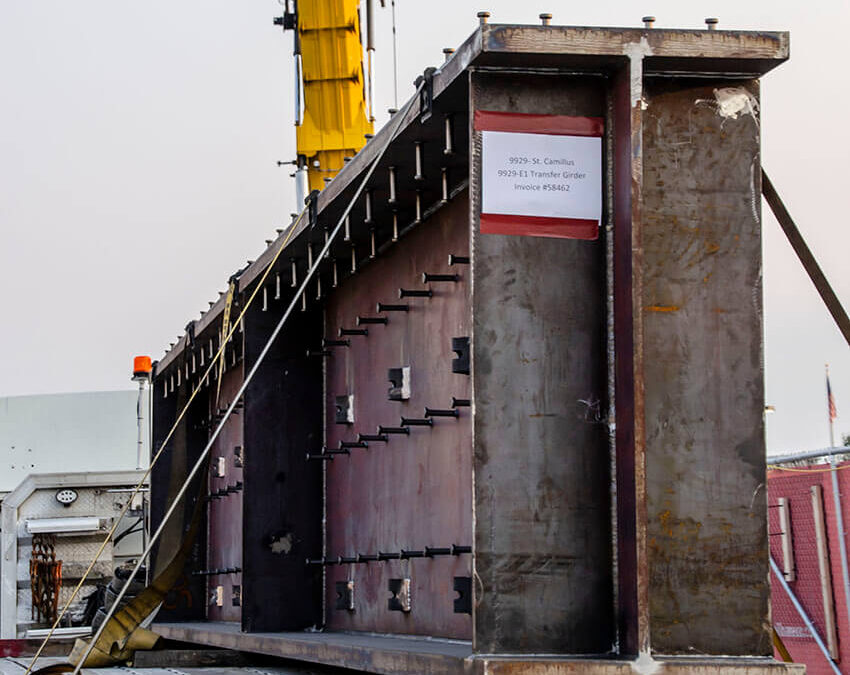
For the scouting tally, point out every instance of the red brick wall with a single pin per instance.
(795, 487)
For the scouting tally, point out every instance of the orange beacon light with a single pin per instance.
(142, 367)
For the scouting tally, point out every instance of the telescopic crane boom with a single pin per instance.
(329, 70)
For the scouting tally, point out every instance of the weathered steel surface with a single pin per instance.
(414, 490)
(704, 384)
(542, 507)
(357, 651)
(404, 656)
(283, 498)
(690, 50)
(224, 513)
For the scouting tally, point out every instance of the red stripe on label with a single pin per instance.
(538, 226)
(559, 125)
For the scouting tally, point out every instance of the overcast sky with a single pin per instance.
(138, 144)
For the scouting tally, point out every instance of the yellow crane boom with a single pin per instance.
(329, 64)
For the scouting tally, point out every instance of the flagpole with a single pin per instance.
(829, 405)
(836, 498)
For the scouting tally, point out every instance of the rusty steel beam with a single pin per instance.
(807, 258)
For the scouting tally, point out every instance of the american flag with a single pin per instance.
(833, 413)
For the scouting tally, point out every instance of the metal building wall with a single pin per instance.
(83, 431)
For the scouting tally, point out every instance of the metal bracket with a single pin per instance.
(426, 93)
(460, 346)
(463, 601)
(345, 595)
(287, 21)
(312, 208)
(237, 596)
(190, 334)
(400, 379)
(345, 409)
(400, 588)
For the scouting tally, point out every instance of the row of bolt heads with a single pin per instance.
(546, 19)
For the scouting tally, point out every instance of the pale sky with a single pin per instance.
(138, 144)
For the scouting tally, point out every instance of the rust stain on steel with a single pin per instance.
(662, 308)
(414, 490)
(224, 514)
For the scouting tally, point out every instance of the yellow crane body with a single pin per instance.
(335, 120)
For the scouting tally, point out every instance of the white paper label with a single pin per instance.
(544, 175)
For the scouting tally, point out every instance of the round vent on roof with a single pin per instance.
(66, 497)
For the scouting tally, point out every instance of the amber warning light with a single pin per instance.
(142, 367)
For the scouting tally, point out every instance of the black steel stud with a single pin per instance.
(323, 352)
(458, 259)
(388, 556)
(364, 558)
(336, 343)
(392, 197)
(412, 554)
(418, 159)
(393, 430)
(363, 320)
(417, 422)
(370, 438)
(368, 201)
(461, 402)
(408, 293)
(431, 551)
(428, 278)
(434, 412)
(393, 308)
(353, 444)
(353, 331)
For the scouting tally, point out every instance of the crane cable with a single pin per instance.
(395, 57)
(397, 120)
(219, 355)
